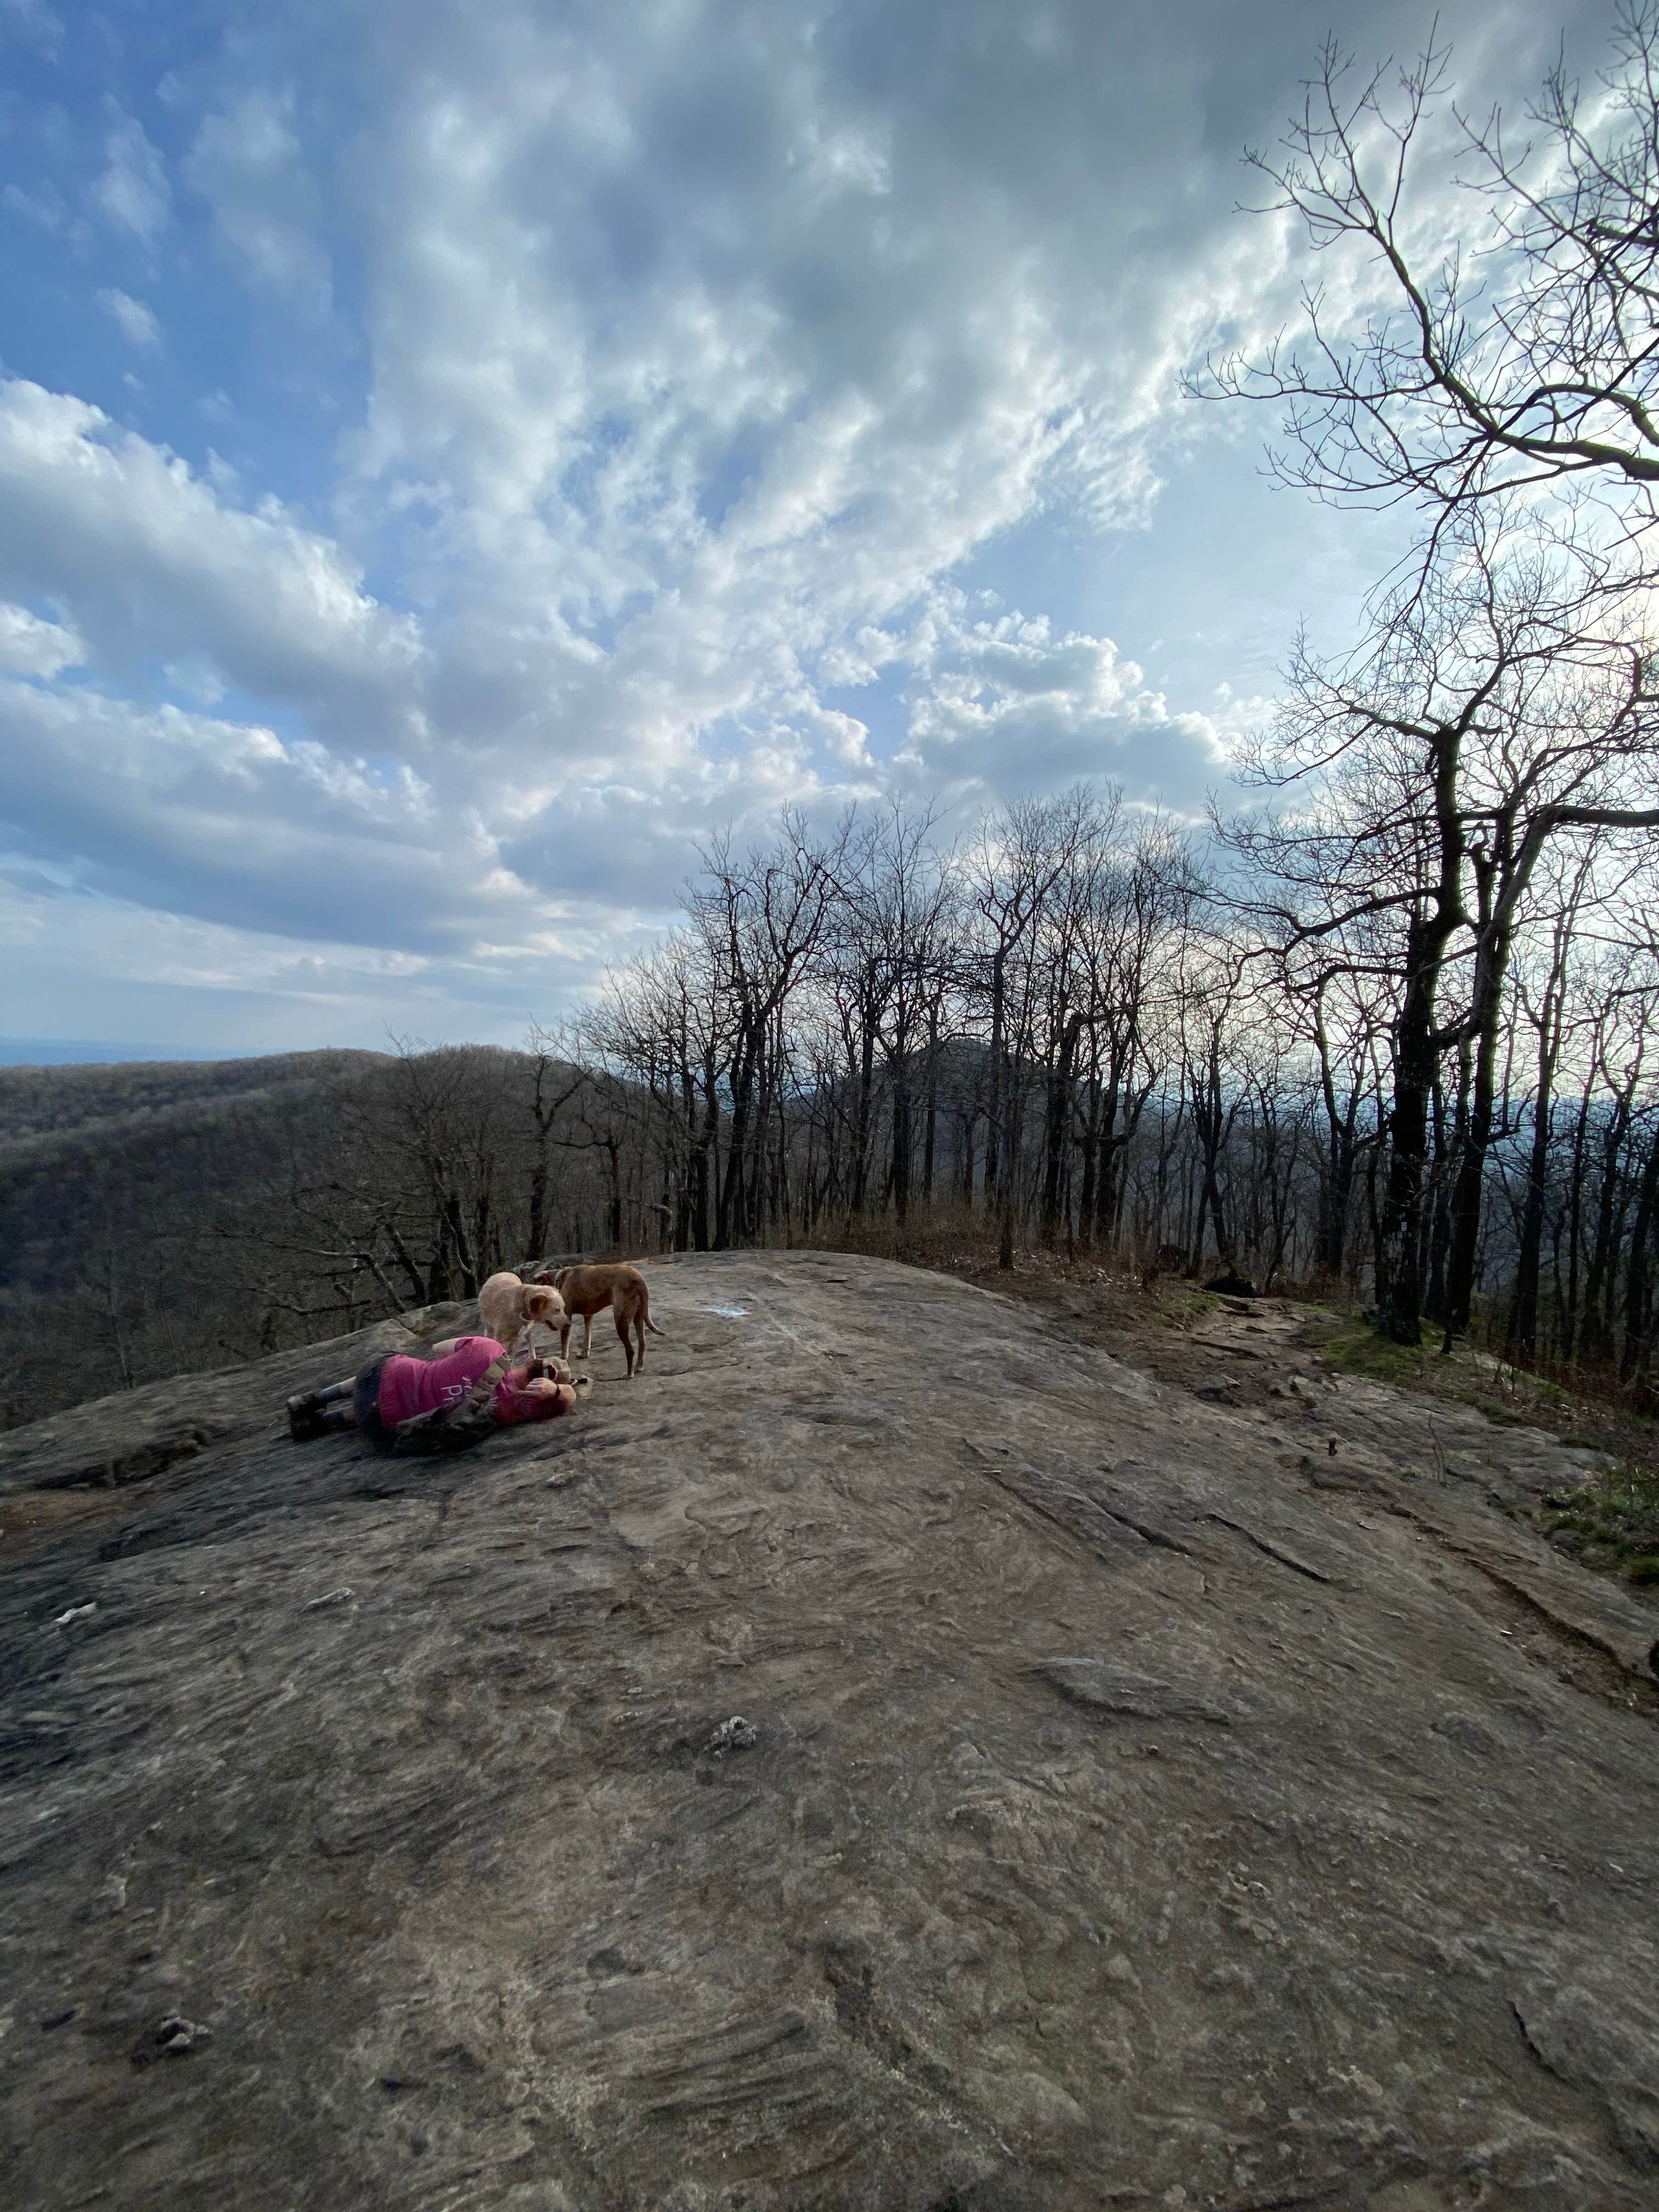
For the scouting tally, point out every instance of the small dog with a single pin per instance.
(510, 1309)
(588, 1290)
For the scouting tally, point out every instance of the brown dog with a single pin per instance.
(588, 1290)
(508, 1309)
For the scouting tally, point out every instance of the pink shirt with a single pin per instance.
(409, 1386)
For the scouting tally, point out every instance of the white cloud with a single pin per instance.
(134, 320)
(699, 361)
(36, 24)
(30, 646)
(709, 360)
(247, 163)
(86, 964)
(227, 821)
(196, 679)
(149, 560)
(43, 205)
(1006, 705)
(132, 193)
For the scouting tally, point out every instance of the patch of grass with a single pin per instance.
(1618, 1514)
(1356, 1348)
(1177, 1302)
(1634, 1488)
(1533, 1395)
(1587, 1417)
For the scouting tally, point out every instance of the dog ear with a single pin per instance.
(545, 1275)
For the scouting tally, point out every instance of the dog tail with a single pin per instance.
(644, 1315)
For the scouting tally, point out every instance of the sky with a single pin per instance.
(455, 456)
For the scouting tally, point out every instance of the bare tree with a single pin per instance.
(1496, 704)
(1528, 356)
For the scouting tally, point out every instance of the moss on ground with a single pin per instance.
(1501, 1392)
(1354, 1347)
(1615, 1515)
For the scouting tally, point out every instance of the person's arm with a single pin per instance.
(538, 1398)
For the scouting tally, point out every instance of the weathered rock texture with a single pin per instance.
(1133, 1808)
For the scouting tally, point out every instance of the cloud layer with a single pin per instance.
(477, 449)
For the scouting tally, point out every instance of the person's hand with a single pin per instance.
(544, 1386)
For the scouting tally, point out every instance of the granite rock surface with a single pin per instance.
(886, 1756)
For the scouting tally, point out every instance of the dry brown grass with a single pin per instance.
(1118, 1292)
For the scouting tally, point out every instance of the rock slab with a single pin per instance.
(886, 1756)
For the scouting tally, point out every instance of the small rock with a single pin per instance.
(75, 1613)
(1119, 1969)
(1228, 1976)
(344, 1595)
(735, 1735)
(172, 2039)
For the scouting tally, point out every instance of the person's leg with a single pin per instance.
(366, 1399)
(319, 1413)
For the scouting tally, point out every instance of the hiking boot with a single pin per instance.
(306, 1418)
(319, 1413)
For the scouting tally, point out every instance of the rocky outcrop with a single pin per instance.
(889, 1755)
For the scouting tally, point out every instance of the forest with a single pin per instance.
(1380, 1029)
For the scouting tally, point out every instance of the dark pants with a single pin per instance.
(366, 1399)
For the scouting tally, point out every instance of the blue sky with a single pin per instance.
(452, 456)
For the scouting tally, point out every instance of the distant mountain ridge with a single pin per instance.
(74, 1052)
(48, 1100)
(110, 1175)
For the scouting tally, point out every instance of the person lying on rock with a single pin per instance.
(401, 1399)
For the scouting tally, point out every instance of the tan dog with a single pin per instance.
(588, 1290)
(510, 1309)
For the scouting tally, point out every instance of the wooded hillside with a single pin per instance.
(159, 1219)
